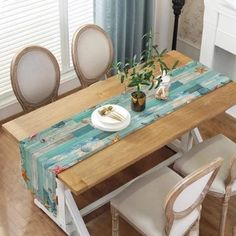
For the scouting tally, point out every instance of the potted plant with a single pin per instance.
(135, 74)
(139, 72)
(140, 77)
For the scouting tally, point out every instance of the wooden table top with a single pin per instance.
(132, 148)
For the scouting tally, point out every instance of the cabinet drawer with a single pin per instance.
(226, 33)
(227, 24)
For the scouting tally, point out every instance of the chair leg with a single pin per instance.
(115, 221)
(224, 216)
(234, 231)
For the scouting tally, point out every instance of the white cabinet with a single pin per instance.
(226, 32)
(218, 49)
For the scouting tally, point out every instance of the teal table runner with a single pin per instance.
(70, 141)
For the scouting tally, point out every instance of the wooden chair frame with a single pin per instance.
(171, 198)
(226, 197)
(171, 215)
(85, 82)
(26, 105)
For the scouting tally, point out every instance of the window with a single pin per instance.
(49, 23)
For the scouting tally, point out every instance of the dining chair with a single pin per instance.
(35, 77)
(92, 54)
(224, 185)
(164, 203)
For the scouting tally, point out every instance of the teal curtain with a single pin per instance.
(126, 21)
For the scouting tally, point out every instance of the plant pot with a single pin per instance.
(138, 102)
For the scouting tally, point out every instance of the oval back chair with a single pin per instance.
(35, 77)
(224, 185)
(185, 199)
(163, 203)
(92, 54)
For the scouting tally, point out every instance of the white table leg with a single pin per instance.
(175, 145)
(183, 144)
(75, 214)
(196, 135)
(186, 141)
(68, 216)
(61, 208)
(232, 112)
(54, 218)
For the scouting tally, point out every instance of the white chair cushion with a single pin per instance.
(93, 53)
(36, 76)
(142, 203)
(205, 152)
(191, 193)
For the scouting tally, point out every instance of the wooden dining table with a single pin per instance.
(114, 158)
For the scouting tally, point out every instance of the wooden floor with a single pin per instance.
(19, 216)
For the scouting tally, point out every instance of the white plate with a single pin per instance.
(109, 124)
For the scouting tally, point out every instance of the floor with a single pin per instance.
(19, 216)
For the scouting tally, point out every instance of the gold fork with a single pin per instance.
(111, 108)
(110, 112)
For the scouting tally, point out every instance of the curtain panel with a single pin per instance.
(126, 21)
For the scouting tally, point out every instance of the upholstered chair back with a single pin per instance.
(183, 204)
(92, 54)
(35, 77)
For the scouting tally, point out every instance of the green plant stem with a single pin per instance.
(138, 90)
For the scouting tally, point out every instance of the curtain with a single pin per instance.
(126, 21)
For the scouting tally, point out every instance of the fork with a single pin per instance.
(111, 109)
(110, 112)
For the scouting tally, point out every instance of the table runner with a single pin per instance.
(70, 141)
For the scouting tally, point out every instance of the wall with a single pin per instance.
(190, 28)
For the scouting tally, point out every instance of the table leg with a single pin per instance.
(186, 141)
(68, 216)
(196, 135)
(175, 145)
(232, 112)
(75, 214)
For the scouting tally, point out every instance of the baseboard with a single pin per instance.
(188, 48)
